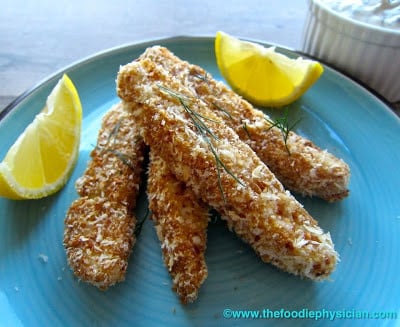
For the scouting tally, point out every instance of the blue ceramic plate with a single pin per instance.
(37, 287)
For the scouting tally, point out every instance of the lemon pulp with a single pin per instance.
(41, 159)
(262, 75)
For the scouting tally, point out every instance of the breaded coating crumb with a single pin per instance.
(116, 162)
(301, 166)
(99, 239)
(99, 225)
(223, 171)
(181, 222)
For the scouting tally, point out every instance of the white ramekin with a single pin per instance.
(366, 52)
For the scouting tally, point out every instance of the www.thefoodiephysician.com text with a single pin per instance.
(321, 314)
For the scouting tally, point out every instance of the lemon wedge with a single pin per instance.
(42, 158)
(262, 75)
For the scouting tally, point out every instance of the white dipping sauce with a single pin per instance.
(385, 13)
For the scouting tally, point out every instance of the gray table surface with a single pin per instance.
(39, 37)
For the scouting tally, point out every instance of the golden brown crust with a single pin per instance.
(98, 239)
(99, 225)
(307, 170)
(253, 202)
(116, 162)
(181, 222)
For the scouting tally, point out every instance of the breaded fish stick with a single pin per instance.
(99, 225)
(224, 172)
(181, 222)
(299, 164)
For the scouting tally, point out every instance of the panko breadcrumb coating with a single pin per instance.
(208, 156)
(302, 166)
(99, 225)
(181, 222)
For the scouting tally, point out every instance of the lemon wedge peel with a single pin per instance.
(42, 158)
(262, 75)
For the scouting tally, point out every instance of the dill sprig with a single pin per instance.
(204, 77)
(113, 134)
(244, 125)
(121, 156)
(220, 165)
(205, 132)
(197, 119)
(226, 112)
(282, 123)
(206, 80)
(109, 146)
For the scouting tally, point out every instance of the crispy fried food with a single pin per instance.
(299, 164)
(181, 222)
(99, 225)
(208, 156)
